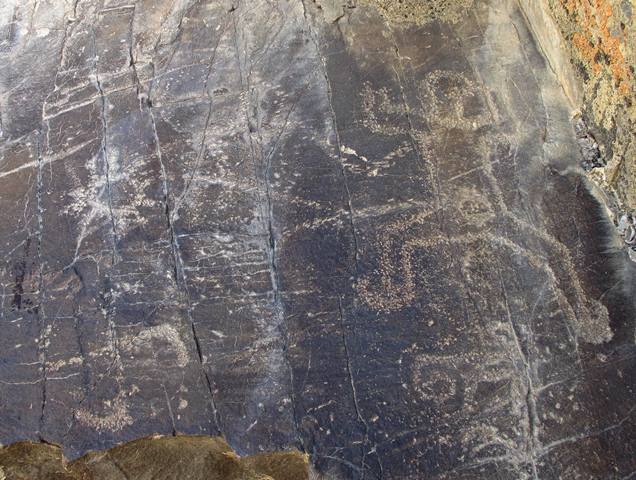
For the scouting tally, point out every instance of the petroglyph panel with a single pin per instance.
(318, 225)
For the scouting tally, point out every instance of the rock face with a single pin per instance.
(151, 459)
(306, 225)
(599, 39)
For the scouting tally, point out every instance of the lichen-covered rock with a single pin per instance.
(420, 12)
(600, 40)
(151, 458)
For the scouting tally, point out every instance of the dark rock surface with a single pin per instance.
(306, 225)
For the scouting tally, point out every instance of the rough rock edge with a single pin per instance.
(419, 12)
(154, 457)
(560, 52)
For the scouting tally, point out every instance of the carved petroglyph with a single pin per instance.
(302, 224)
(381, 113)
(396, 283)
(115, 415)
(164, 338)
(453, 101)
(471, 212)
(439, 381)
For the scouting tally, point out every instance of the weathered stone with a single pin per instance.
(414, 11)
(599, 39)
(156, 458)
(306, 226)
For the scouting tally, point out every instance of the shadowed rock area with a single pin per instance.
(591, 46)
(326, 226)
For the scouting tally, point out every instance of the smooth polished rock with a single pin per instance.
(306, 225)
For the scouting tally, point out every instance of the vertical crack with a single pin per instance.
(170, 412)
(354, 392)
(132, 62)
(36, 5)
(530, 397)
(174, 246)
(180, 278)
(275, 282)
(40, 312)
(206, 93)
(268, 218)
(334, 122)
(42, 143)
(274, 273)
(351, 216)
(179, 274)
(106, 296)
(104, 147)
(430, 168)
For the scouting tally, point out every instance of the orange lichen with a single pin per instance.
(596, 44)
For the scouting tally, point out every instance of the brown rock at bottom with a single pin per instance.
(192, 457)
